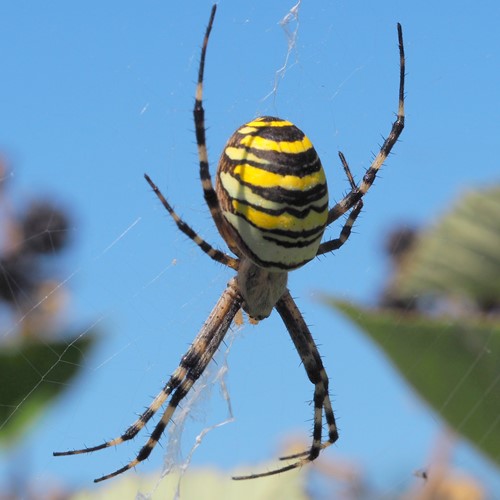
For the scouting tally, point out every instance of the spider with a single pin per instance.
(270, 205)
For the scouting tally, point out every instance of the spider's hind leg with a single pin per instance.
(304, 343)
(310, 357)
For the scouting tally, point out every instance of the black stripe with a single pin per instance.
(297, 164)
(267, 263)
(190, 359)
(147, 449)
(279, 265)
(294, 244)
(299, 214)
(288, 133)
(199, 122)
(204, 171)
(290, 196)
(316, 232)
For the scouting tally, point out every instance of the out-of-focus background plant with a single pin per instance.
(40, 350)
(438, 319)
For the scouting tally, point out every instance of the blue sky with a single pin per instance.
(95, 94)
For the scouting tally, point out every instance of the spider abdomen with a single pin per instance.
(272, 191)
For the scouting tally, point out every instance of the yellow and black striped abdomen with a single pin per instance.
(273, 194)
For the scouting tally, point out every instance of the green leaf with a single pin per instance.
(32, 374)
(453, 364)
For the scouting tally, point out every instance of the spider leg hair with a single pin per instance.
(308, 352)
(212, 252)
(191, 367)
(351, 199)
(335, 244)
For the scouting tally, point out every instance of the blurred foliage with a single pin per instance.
(34, 373)
(206, 484)
(37, 359)
(326, 478)
(457, 258)
(439, 320)
(453, 364)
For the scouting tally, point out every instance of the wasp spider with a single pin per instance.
(270, 205)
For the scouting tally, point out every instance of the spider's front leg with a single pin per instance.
(308, 352)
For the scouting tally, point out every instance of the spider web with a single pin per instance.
(128, 277)
(290, 25)
(202, 390)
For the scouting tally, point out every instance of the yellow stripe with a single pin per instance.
(262, 178)
(293, 147)
(247, 130)
(285, 221)
(242, 154)
(261, 123)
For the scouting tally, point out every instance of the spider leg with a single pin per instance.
(212, 252)
(351, 199)
(191, 367)
(174, 381)
(330, 245)
(347, 171)
(206, 181)
(304, 343)
(209, 192)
